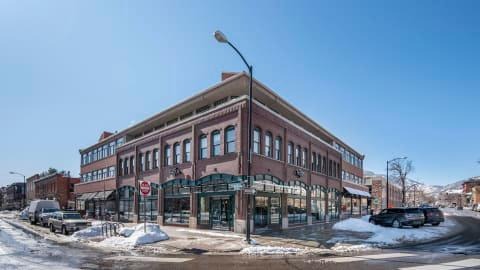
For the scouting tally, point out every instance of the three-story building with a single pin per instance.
(195, 156)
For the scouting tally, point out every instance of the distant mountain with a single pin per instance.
(430, 190)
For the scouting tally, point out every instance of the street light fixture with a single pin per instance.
(222, 38)
(24, 188)
(388, 188)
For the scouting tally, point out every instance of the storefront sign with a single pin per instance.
(145, 188)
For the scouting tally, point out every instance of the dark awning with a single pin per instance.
(102, 195)
(353, 191)
(86, 196)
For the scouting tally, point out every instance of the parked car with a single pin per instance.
(67, 222)
(37, 205)
(432, 215)
(45, 214)
(399, 217)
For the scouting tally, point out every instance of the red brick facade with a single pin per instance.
(56, 186)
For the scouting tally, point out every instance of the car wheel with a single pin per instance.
(416, 226)
(372, 221)
(52, 228)
(64, 230)
(396, 224)
(32, 222)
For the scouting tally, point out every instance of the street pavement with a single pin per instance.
(20, 250)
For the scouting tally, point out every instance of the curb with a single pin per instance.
(22, 227)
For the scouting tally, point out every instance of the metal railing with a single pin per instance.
(111, 228)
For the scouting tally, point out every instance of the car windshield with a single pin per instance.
(72, 216)
(49, 210)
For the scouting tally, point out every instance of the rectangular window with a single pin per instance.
(177, 158)
(155, 158)
(186, 151)
(256, 141)
(112, 148)
(141, 158)
(230, 140)
(147, 160)
(297, 156)
(132, 164)
(290, 153)
(216, 143)
(278, 148)
(203, 147)
(167, 161)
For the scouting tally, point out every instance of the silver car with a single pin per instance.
(67, 222)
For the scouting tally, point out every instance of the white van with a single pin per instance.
(36, 207)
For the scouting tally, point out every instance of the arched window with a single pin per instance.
(215, 143)
(278, 148)
(256, 140)
(141, 159)
(125, 166)
(268, 144)
(120, 170)
(132, 164)
(177, 154)
(230, 139)
(167, 161)
(290, 153)
(314, 161)
(147, 160)
(298, 158)
(186, 150)
(304, 158)
(202, 147)
(155, 158)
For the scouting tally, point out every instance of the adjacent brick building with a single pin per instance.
(14, 197)
(195, 156)
(377, 185)
(56, 186)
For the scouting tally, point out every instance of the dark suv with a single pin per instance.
(433, 215)
(399, 217)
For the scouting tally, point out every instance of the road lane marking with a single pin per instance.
(149, 259)
(432, 267)
(446, 265)
(465, 263)
(368, 257)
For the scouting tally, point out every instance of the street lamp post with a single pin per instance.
(24, 188)
(220, 37)
(388, 187)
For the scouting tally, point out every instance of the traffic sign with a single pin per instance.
(145, 188)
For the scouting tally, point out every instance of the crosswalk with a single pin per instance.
(450, 265)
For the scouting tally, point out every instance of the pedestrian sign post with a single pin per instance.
(145, 190)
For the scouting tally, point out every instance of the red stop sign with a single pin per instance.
(145, 188)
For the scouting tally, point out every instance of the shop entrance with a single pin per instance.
(221, 213)
(267, 211)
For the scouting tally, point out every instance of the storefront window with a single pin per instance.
(297, 204)
(126, 203)
(318, 199)
(333, 203)
(148, 206)
(176, 203)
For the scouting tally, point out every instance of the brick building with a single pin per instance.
(377, 185)
(56, 186)
(195, 156)
(470, 191)
(31, 187)
(14, 196)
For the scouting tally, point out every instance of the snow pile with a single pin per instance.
(269, 250)
(90, 232)
(389, 236)
(136, 236)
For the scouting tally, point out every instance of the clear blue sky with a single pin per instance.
(391, 79)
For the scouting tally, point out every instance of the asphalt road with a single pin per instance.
(460, 250)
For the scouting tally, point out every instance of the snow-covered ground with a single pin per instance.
(466, 212)
(381, 236)
(129, 237)
(19, 250)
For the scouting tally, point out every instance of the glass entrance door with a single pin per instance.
(221, 213)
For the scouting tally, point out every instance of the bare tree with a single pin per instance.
(401, 168)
